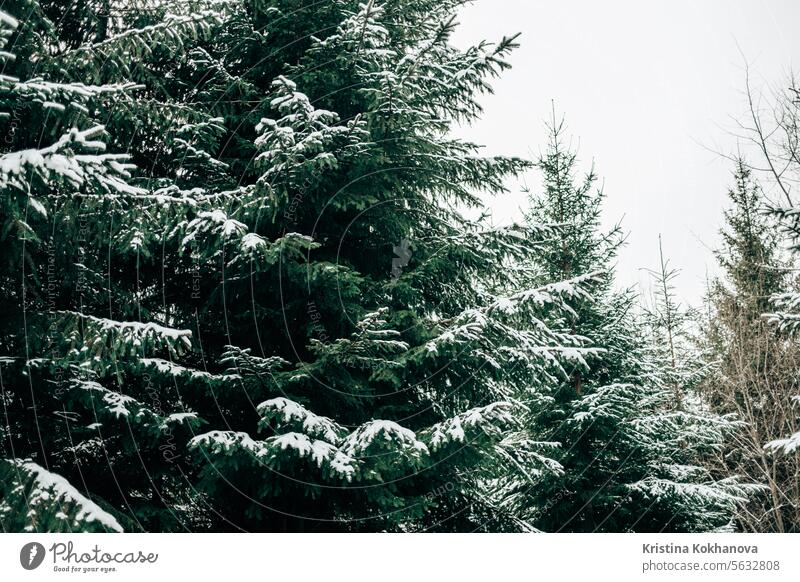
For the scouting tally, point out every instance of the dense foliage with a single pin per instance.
(240, 291)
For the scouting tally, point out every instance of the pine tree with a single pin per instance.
(626, 448)
(756, 365)
(380, 386)
(672, 337)
(70, 337)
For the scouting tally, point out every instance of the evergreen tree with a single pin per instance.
(379, 385)
(628, 450)
(689, 431)
(240, 291)
(71, 336)
(671, 335)
(755, 374)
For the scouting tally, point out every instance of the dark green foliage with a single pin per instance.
(240, 291)
(232, 343)
(628, 447)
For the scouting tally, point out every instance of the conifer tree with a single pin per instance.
(78, 434)
(671, 335)
(627, 450)
(240, 291)
(755, 374)
(367, 391)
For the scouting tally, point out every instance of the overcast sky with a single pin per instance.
(648, 88)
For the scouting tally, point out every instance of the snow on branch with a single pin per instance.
(304, 141)
(786, 446)
(242, 362)
(787, 312)
(174, 33)
(483, 421)
(724, 492)
(322, 454)
(8, 21)
(290, 414)
(216, 223)
(554, 294)
(61, 161)
(92, 338)
(122, 406)
(279, 452)
(174, 370)
(72, 94)
(225, 443)
(53, 504)
(379, 436)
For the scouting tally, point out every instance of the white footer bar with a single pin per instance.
(399, 557)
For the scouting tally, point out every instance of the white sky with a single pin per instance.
(648, 88)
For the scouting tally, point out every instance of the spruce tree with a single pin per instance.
(628, 450)
(755, 372)
(688, 432)
(370, 386)
(240, 291)
(672, 336)
(78, 433)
